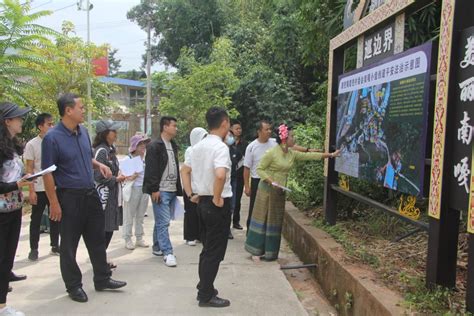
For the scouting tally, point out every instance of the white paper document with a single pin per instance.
(281, 187)
(42, 173)
(131, 166)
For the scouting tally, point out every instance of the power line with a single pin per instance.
(65, 7)
(39, 6)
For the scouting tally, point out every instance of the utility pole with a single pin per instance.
(88, 8)
(148, 78)
(89, 83)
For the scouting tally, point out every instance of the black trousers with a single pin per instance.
(10, 225)
(191, 220)
(215, 222)
(237, 191)
(82, 215)
(108, 238)
(253, 194)
(36, 215)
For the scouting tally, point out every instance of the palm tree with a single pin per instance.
(19, 36)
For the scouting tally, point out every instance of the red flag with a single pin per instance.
(101, 66)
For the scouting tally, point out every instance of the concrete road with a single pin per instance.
(153, 288)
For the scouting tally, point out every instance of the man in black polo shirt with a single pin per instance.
(73, 198)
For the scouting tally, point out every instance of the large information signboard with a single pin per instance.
(382, 119)
(463, 113)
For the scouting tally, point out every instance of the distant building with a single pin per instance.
(131, 93)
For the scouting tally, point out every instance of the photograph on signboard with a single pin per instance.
(382, 121)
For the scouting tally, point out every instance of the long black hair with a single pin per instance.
(8, 145)
(101, 138)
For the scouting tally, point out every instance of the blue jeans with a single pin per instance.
(162, 212)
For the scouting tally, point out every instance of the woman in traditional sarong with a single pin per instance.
(264, 233)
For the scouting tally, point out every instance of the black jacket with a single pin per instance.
(156, 160)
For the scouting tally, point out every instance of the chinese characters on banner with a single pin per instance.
(464, 107)
(382, 120)
(379, 45)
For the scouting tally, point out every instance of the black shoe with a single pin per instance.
(216, 292)
(78, 295)
(230, 235)
(33, 256)
(111, 284)
(54, 251)
(237, 226)
(17, 277)
(215, 301)
(10, 289)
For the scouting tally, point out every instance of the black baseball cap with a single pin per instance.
(10, 110)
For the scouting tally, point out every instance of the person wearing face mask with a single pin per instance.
(234, 158)
(237, 179)
(264, 235)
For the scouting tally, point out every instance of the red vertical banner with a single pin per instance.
(101, 64)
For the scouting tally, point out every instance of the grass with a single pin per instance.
(366, 235)
(352, 248)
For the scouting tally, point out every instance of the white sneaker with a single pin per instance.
(142, 243)
(129, 245)
(170, 260)
(190, 242)
(9, 311)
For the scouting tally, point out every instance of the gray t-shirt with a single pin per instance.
(170, 174)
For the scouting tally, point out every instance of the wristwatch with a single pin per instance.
(191, 196)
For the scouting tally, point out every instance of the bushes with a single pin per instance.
(307, 178)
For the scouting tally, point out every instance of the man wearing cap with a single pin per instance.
(162, 182)
(135, 201)
(73, 198)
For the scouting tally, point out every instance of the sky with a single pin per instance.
(108, 24)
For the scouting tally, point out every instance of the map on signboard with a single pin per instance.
(382, 119)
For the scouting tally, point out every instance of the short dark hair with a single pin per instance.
(235, 122)
(67, 100)
(260, 124)
(166, 120)
(41, 119)
(215, 116)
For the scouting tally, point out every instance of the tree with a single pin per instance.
(65, 69)
(114, 62)
(20, 41)
(181, 23)
(191, 94)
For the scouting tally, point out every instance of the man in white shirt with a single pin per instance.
(211, 166)
(254, 152)
(37, 196)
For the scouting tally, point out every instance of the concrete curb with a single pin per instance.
(349, 287)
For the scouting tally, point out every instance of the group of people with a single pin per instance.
(88, 195)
